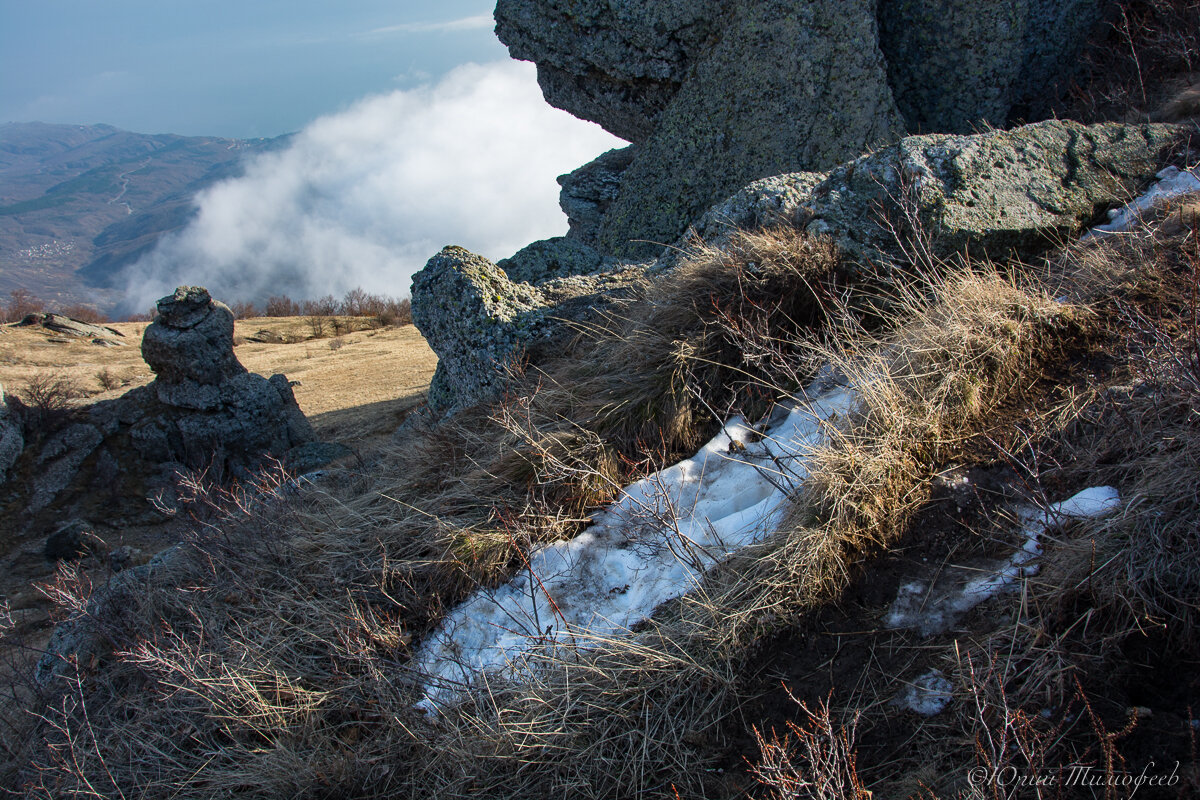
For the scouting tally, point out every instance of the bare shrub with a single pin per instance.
(396, 312)
(316, 326)
(50, 399)
(281, 306)
(108, 379)
(244, 309)
(337, 344)
(326, 306)
(21, 303)
(816, 760)
(84, 313)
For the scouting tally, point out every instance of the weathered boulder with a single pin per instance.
(69, 326)
(998, 194)
(204, 412)
(1001, 194)
(740, 116)
(12, 440)
(548, 259)
(482, 324)
(756, 205)
(189, 346)
(716, 95)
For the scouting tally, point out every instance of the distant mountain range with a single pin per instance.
(80, 202)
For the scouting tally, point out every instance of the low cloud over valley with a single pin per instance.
(364, 197)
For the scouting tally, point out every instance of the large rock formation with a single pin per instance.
(1002, 194)
(203, 412)
(716, 95)
(616, 63)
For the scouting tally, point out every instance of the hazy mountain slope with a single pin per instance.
(77, 202)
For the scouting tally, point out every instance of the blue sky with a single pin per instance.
(223, 68)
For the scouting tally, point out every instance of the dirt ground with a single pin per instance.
(355, 388)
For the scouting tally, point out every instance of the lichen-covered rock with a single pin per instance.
(189, 346)
(757, 205)
(955, 64)
(589, 191)
(468, 310)
(481, 324)
(742, 116)
(996, 194)
(616, 63)
(548, 259)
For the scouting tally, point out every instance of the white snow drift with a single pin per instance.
(933, 610)
(649, 546)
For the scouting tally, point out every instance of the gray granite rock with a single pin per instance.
(957, 66)
(617, 63)
(483, 325)
(741, 116)
(716, 95)
(548, 259)
(998, 194)
(189, 346)
(588, 192)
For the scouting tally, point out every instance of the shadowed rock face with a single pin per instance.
(716, 95)
(618, 64)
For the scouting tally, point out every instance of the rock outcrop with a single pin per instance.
(482, 324)
(956, 65)
(203, 412)
(68, 326)
(1002, 194)
(716, 95)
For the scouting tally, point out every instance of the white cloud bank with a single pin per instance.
(366, 196)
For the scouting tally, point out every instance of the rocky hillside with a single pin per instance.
(79, 202)
(845, 448)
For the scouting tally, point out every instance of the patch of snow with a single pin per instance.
(1172, 182)
(930, 612)
(651, 545)
(928, 695)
